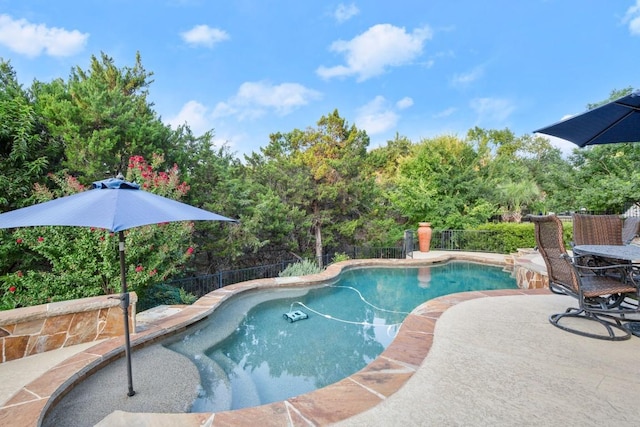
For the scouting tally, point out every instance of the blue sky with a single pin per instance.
(248, 68)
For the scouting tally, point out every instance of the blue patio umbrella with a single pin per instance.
(615, 121)
(116, 205)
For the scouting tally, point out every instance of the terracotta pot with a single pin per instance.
(424, 236)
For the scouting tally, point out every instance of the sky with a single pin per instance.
(421, 69)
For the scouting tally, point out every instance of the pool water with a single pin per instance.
(248, 354)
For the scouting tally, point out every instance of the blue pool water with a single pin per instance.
(248, 354)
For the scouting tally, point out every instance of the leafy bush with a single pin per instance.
(163, 294)
(187, 297)
(340, 256)
(10, 297)
(301, 268)
(507, 237)
(158, 294)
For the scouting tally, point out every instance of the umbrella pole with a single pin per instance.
(124, 303)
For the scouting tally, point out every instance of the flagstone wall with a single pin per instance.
(31, 330)
(529, 269)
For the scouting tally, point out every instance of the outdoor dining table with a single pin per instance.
(628, 253)
(627, 256)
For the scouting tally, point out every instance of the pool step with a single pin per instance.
(215, 393)
(244, 392)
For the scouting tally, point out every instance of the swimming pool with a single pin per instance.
(247, 354)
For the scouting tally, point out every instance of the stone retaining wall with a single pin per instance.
(529, 269)
(31, 330)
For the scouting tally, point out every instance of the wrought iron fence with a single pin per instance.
(458, 240)
(203, 284)
(379, 253)
(449, 240)
(468, 240)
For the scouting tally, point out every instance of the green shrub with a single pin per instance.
(340, 256)
(163, 294)
(507, 237)
(301, 268)
(187, 297)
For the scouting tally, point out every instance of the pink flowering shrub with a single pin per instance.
(83, 261)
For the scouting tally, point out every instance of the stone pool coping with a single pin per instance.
(348, 397)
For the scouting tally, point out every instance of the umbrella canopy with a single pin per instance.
(115, 205)
(112, 204)
(616, 121)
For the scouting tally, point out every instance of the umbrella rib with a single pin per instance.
(632, 107)
(596, 136)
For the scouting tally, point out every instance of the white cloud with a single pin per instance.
(193, 114)
(223, 109)
(465, 79)
(405, 102)
(31, 40)
(254, 99)
(376, 117)
(345, 12)
(632, 18)
(445, 113)
(203, 35)
(372, 52)
(493, 110)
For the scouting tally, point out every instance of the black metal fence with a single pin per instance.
(202, 285)
(468, 240)
(448, 240)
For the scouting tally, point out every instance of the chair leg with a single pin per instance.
(610, 326)
(633, 328)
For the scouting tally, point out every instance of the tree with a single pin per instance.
(219, 184)
(319, 174)
(515, 196)
(606, 177)
(606, 174)
(552, 174)
(27, 154)
(103, 116)
(27, 150)
(519, 173)
(383, 161)
(439, 183)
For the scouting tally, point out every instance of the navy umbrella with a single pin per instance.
(115, 205)
(616, 121)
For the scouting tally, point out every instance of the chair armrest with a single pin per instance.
(624, 271)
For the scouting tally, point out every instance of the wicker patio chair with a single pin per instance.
(597, 229)
(601, 297)
(630, 229)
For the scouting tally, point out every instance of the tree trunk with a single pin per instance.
(318, 230)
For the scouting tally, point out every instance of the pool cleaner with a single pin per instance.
(294, 316)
